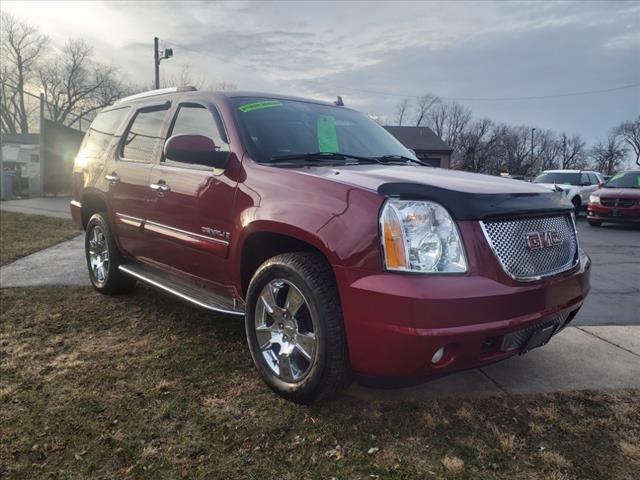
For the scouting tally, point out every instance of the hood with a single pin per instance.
(554, 186)
(619, 193)
(468, 196)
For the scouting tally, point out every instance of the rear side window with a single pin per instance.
(102, 130)
(198, 120)
(593, 178)
(143, 137)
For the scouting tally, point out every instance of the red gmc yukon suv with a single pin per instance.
(342, 251)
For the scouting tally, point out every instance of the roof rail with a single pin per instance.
(160, 91)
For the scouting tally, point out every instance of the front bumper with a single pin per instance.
(600, 213)
(395, 323)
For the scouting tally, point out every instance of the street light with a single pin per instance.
(168, 53)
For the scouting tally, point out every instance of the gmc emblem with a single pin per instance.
(540, 240)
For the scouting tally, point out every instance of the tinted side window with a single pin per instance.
(594, 179)
(584, 179)
(143, 136)
(198, 120)
(102, 130)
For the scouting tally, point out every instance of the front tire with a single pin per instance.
(295, 329)
(104, 258)
(577, 204)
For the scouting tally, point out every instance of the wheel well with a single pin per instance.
(261, 246)
(91, 204)
(576, 198)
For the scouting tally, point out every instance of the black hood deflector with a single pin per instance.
(480, 206)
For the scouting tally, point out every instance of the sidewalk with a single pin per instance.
(48, 206)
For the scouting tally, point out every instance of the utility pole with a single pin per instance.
(168, 53)
(532, 132)
(156, 62)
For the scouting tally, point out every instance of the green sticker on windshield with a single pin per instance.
(618, 175)
(327, 135)
(249, 107)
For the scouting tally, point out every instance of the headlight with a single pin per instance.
(421, 237)
(594, 199)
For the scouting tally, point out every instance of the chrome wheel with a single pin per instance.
(98, 254)
(285, 330)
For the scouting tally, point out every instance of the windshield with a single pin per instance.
(566, 178)
(624, 180)
(274, 128)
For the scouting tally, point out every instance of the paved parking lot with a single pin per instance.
(615, 275)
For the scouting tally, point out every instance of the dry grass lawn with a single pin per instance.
(142, 387)
(22, 234)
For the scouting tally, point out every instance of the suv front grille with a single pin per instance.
(524, 259)
(617, 202)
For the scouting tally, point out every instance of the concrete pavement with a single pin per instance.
(615, 275)
(48, 206)
(62, 264)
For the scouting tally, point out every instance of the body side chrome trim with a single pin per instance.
(161, 286)
(191, 234)
(139, 221)
(129, 220)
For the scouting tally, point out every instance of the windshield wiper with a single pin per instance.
(401, 158)
(320, 156)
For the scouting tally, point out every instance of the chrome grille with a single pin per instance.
(508, 241)
(617, 202)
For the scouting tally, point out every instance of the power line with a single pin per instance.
(491, 99)
(402, 95)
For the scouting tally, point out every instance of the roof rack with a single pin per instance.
(160, 91)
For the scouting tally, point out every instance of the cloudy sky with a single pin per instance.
(517, 62)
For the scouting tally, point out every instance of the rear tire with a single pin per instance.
(295, 329)
(595, 223)
(104, 258)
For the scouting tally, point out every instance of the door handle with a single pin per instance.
(112, 178)
(160, 187)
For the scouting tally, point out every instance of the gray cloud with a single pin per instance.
(454, 49)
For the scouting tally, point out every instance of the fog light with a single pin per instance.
(438, 355)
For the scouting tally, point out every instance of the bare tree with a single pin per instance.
(186, 79)
(75, 86)
(513, 150)
(608, 155)
(572, 153)
(448, 120)
(546, 151)
(630, 132)
(423, 105)
(21, 46)
(402, 109)
(476, 146)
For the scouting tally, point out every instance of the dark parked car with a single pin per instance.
(618, 201)
(343, 253)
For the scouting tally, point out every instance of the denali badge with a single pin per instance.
(540, 240)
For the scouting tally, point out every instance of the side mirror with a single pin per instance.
(195, 149)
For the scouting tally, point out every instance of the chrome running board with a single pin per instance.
(181, 288)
